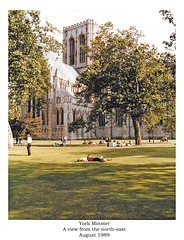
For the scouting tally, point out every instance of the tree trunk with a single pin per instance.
(136, 125)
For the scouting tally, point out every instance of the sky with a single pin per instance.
(147, 19)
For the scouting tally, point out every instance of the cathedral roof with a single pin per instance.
(65, 93)
(64, 71)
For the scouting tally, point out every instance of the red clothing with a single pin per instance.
(90, 158)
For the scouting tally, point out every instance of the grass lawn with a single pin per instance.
(139, 183)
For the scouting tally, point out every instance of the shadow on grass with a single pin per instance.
(149, 152)
(92, 191)
(17, 155)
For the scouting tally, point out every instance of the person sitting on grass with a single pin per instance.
(55, 144)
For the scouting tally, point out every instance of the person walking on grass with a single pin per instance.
(29, 141)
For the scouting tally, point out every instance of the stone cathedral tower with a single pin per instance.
(73, 37)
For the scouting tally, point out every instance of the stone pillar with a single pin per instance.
(76, 48)
(10, 137)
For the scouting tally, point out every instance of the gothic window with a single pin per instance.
(43, 118)
(58, 100)
(34, 107)
(62, 117)
(82, 54)
(74, 115)
(57, 116)
(140, 121)
(102, 120)
(38, 105)
(29, 104)
(119, 119)
(72, 51)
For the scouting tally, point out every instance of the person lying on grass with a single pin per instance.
(90, 158)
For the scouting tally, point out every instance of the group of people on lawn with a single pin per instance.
(110, 143)
(62, 144)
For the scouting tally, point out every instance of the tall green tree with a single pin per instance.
(169, 124)
(151, 120)
(124, 75)
(28, 70)
(25, 124)
(169, 59)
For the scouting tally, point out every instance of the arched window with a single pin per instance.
(57, 117)
(72, 51)
(82, 54)
(74, 115)
(58, 100)
(62, 117)
(34, 107)
(102, 120)
(43, 118)
(119, 119)
(29, 104)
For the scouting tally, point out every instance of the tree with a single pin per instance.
(150, 120)
(125, 75)
(167, 15)
(28, 70)
(169, 124)
(169, 60)
(25, 124)
(76, 125)
(18, 127)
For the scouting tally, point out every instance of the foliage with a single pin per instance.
(150, 120)
(74, 126)
(169, 125)
(24, 125)
(28, 73)
(32, 125)
(167, 15)
(125, 75)
(17, 127)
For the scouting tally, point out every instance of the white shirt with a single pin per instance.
(29, 140)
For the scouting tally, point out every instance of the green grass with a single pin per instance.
(139, 183)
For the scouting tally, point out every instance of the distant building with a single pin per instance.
(62, 107)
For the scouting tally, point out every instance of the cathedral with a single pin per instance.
(62, 106)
